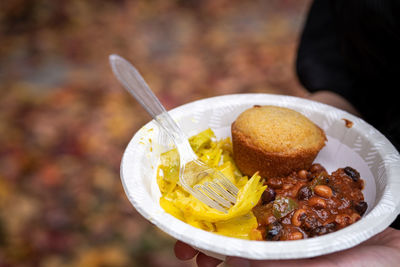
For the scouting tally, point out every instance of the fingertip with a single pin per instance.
(183, 251)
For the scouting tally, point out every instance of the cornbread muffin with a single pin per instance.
(274, 141)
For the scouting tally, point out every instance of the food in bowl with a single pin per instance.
(310, 203)
(304, 203)
(275, 141)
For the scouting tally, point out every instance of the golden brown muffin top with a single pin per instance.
(278, 130)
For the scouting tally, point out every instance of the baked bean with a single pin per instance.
(343, 220)
(275, 183)
(323, 191)
(298, 216)
(295, 190)
(317, 202)
(316, 168)
(295, 236)
(303, 174)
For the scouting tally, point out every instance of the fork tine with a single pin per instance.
(199, 194)
(229, 186)
(211, 193)
(222, 192)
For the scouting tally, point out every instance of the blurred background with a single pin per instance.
(65, 120)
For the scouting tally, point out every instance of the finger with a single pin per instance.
(183, 251)
(203, 260)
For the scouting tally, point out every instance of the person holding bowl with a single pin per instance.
(348, 57)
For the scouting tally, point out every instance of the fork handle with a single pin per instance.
(138, 88)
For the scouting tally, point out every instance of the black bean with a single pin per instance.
(361, 207)
(324, 229)
(309, 223)
(273, 231)
(352, 173)
(330, 226)
(268, 195)
(303, 216)
(320, 230)
(304, 193)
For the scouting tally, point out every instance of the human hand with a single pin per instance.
(380, 250)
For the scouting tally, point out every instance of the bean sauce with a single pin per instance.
(310, 203)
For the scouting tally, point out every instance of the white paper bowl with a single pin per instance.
(361, 147)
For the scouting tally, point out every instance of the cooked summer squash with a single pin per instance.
(239, 221)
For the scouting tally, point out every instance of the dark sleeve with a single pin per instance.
(320, 64)
(352, 48)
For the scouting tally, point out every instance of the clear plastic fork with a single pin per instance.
(219, 192)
